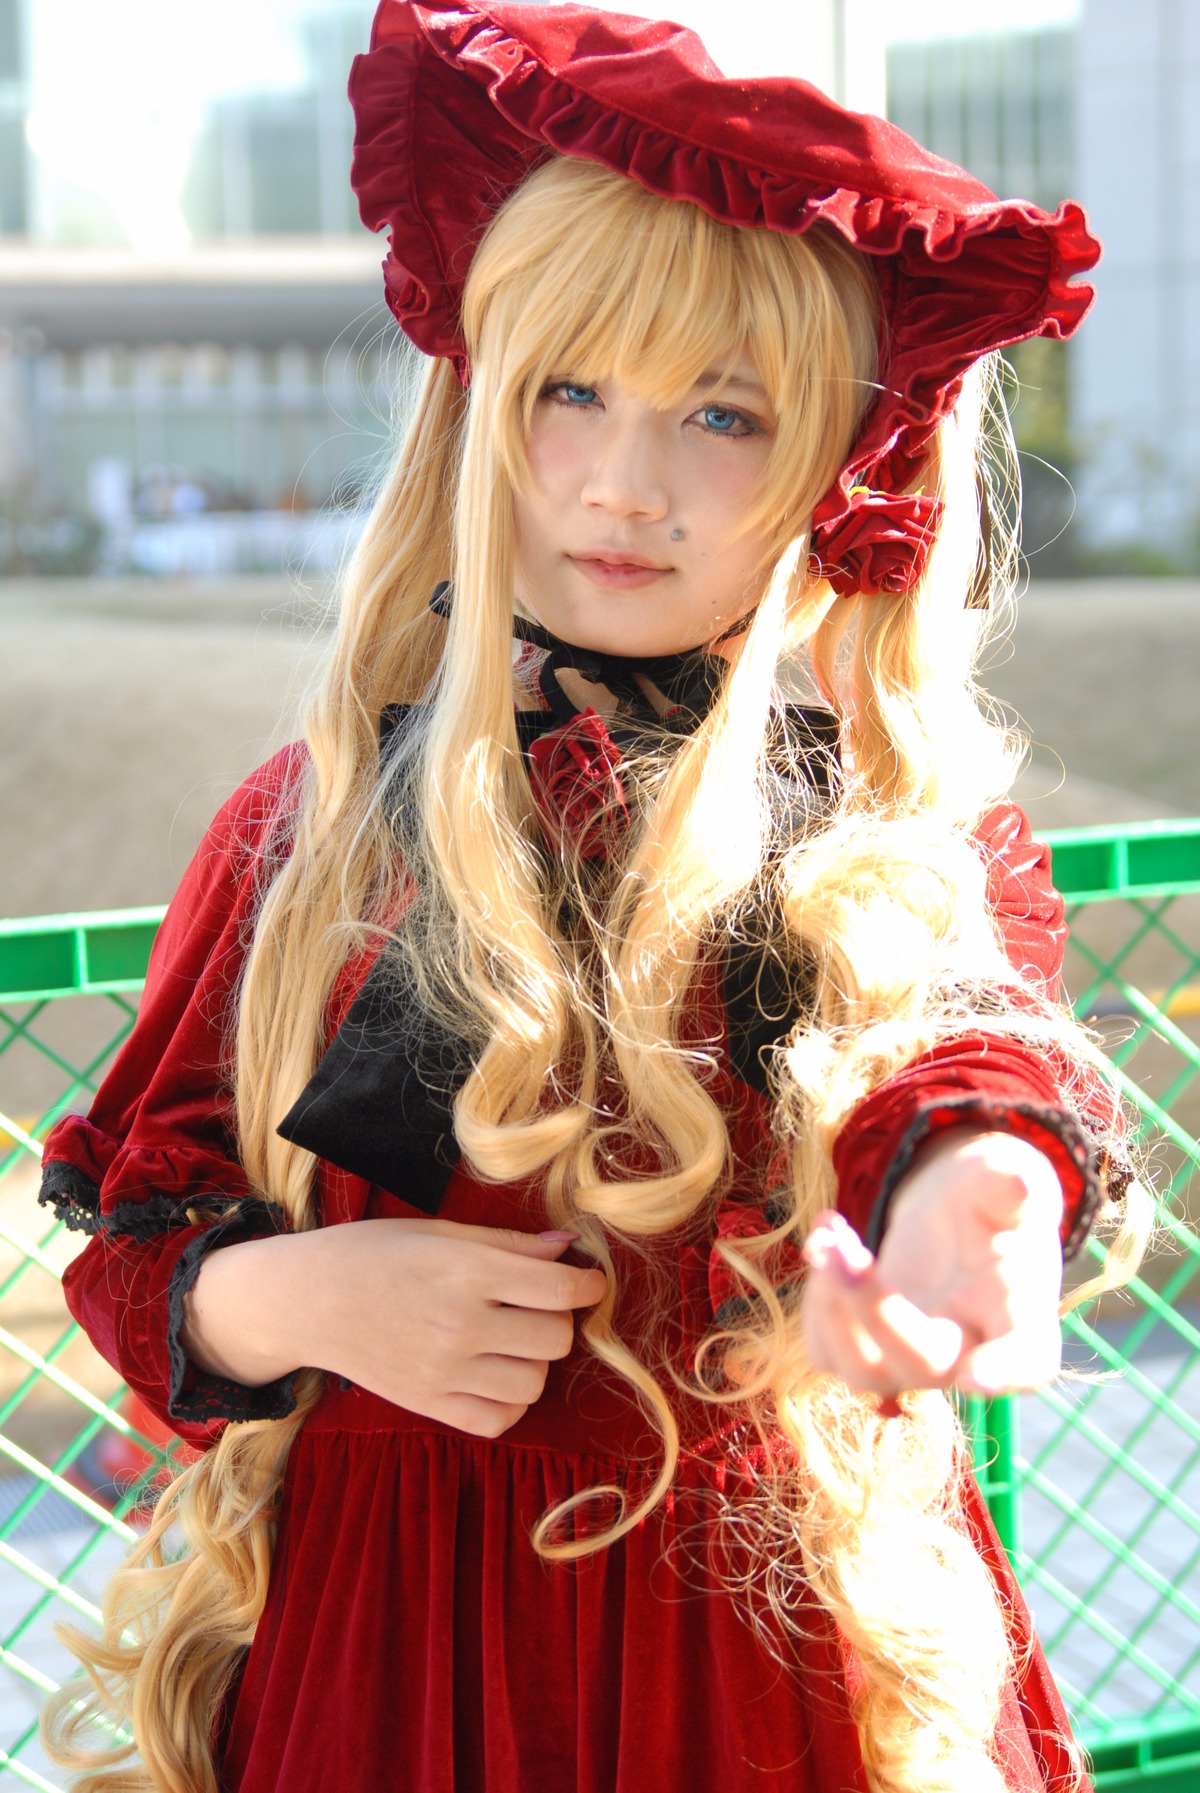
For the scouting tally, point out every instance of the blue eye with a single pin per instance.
(723, 420)
(568, 392)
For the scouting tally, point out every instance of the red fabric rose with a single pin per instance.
(738, 1221)
(574, 774)
(879, 545)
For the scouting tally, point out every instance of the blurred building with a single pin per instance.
(1138, 369)
(1004, 105)
(1001, 105)
(193, 344)
(242, 370)
(221, 347)
(1104, 111)
(14, 105)
(276, 164)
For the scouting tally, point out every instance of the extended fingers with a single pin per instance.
(861, 1328)
(864, 1331)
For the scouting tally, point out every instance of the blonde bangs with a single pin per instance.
(585, 275)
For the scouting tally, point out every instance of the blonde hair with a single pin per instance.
(586, 270)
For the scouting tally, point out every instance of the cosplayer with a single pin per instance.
(598, 1090)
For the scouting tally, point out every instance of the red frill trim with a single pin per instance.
(456, 101)
(136, 1173)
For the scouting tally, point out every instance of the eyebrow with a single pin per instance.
(718, 376)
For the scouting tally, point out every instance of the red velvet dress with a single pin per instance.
(412, 1638)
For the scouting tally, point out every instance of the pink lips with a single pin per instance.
(618, 572)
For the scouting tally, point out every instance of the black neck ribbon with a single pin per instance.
(691, 681)
(380, 1102)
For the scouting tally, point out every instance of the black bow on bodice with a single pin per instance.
(380, 1102)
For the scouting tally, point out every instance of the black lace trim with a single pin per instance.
(1062, 1125)
(217, 1397)
(157, 1214)
(74, 1198)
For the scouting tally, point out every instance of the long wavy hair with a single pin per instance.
(877, 910)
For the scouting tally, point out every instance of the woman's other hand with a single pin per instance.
(459, 1323)
(966, 1285)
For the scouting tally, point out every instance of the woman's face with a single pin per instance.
(613, 482)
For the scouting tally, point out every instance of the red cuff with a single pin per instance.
(976, 1080)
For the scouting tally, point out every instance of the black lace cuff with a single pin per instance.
(195, 1395)
(1054, 1130)
(74, 1197)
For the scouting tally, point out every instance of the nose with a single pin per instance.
(626, 476)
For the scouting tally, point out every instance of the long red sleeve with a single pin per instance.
(975, 1078)
(981, 1078)
(159, 1138)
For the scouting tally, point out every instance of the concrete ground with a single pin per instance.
(1102, 674)
(129, 710)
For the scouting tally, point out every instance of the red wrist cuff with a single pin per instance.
(976, 1080)
(1052, 1130)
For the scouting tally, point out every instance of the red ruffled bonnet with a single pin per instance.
(457, 100)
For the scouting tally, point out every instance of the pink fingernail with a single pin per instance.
(558, 1237)
(851, 1249)
(818, 1247)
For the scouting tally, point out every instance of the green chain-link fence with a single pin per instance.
(1095, 1483)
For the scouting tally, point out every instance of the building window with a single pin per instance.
(11, 68)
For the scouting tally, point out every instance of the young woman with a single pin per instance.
(638, 927)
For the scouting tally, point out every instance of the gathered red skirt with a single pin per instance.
(414, 1640)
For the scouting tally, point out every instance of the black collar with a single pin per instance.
(808, 735)
(691, 681)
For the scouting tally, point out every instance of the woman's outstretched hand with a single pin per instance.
(965, 1288)
(459, 1323)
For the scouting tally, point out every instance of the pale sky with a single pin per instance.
(894, 20)
(965, 18)
(114, 122)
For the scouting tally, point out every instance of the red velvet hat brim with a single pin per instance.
(457, 100)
